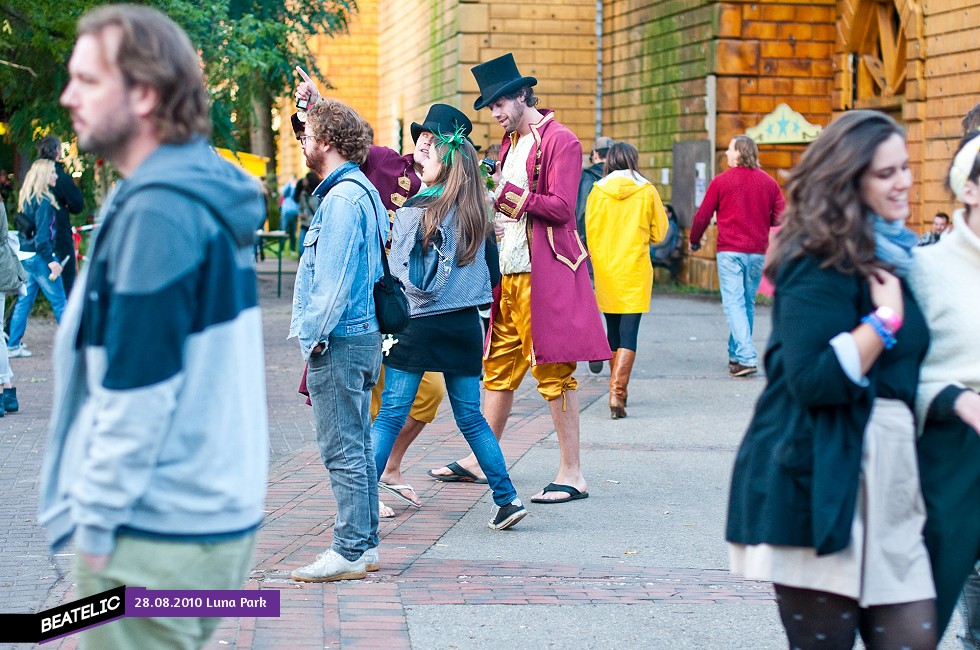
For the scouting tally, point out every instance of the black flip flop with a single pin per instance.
(573, 494)
(459, 475)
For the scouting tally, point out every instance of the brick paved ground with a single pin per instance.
(417, 576)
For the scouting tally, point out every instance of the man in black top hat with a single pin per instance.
(398, 178)
(544, 316)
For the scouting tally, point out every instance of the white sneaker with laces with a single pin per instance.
(329, 566)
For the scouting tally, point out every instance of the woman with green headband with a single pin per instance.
(438, 251)
(944, 280)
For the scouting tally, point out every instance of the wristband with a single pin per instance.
(889, 317)
(882, 330)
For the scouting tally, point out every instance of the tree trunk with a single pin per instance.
(263, 144)
(260, 130)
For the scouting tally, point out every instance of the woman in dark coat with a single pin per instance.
(825, 499)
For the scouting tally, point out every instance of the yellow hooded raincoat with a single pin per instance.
(623, 216)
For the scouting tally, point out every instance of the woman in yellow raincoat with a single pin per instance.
(623, 216)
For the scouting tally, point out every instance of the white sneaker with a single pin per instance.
(19, 351)
(371, 561)
(329, 566)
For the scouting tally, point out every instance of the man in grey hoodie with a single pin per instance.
(158, 446)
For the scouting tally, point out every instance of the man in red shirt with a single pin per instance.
(748, 202)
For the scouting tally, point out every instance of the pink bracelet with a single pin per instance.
(889, 318)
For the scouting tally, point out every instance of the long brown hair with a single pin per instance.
(622, 155)
(825, 215)
(748, 151)
(462, 186)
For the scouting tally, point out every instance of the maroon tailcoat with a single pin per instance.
(565, 321)
(393, 175)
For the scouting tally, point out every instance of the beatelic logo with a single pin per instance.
(64, 619)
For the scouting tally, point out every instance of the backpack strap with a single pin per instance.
(381, 239)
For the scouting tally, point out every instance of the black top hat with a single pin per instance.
(498, 77)
(442, 118)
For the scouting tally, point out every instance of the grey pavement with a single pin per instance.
(640, 564)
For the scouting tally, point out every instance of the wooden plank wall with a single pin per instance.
(952, 87)
(399, 58)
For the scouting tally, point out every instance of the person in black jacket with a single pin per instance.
(69, 201)
(825, 499)
(590, 175)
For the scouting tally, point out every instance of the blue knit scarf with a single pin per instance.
(894, 243)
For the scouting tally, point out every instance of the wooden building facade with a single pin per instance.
(664, 74)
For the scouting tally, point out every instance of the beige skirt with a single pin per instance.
(886, 562)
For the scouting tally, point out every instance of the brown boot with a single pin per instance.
(619, 380)
(614, 403)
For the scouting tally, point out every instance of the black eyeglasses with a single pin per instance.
(303, 138)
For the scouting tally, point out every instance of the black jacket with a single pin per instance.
(797, 470)
(589, 176)
(69, 200)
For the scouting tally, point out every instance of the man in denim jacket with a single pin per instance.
(333, 317)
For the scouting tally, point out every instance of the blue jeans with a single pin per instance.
(340, 382)
(464, 396)
(289, 220)
(739, 275)
(37, 277)
(969, 636)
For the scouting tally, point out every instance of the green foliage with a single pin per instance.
(249, 49)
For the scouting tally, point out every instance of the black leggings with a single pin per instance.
(819, 620)
(621, 330)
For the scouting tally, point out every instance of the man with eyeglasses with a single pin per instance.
(398, 178)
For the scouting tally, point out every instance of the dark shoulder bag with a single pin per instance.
(25, 226)
(390, 303)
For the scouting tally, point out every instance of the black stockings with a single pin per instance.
(622, 330)
(818, 620)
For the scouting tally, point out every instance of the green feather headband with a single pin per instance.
(452, 142)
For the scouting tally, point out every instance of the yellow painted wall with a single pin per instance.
(350, 63)
(431, 45)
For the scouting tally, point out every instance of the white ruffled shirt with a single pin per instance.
(515, 254)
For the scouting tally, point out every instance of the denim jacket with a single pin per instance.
(341, 261)
(453, 287)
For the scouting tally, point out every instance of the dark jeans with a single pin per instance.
(970, 609)
(68, 270)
